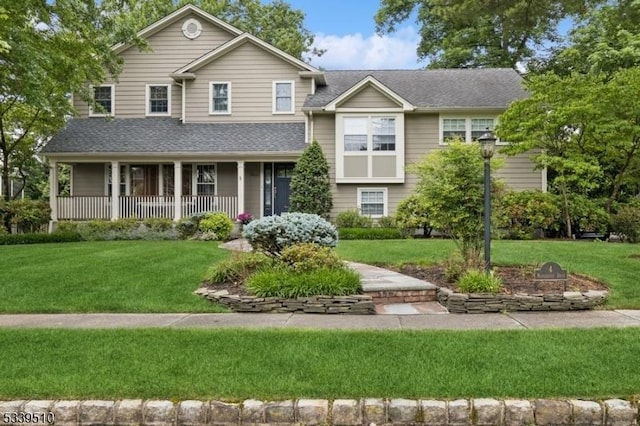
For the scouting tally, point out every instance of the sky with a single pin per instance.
(346, 29)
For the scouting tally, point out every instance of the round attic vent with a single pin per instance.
(191, 28)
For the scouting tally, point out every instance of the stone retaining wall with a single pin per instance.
(485, 302)
(348, 412)
(356, 304)
(402, 296)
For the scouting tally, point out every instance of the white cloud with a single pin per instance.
(354, 51)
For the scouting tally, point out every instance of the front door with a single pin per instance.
(277, 187)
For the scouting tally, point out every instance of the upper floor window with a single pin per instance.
(467, 129)
(369, 134)
(283, 97)
(158, 99)
(220, 95)
(103, 96)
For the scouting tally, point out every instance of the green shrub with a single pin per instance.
(309, 256)
(626, 223)
(28, 215)
(271, 234)
(353, 219)
(237, 268)
(310, 184)
(187, 227)
(387, 222)
(523, 213)
(158, 224)
(413, 213)
(285, 282)
(370, 234)
(454, 267)
(121, 229)
(476, 281)
(217, 223)
(39, 238)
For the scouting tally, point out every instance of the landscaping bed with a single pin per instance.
(519, 292)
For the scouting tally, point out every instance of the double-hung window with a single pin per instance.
(206, 179)
(372, 201)
(467, 129)
(103, 96)
(158, 99)
(220, 97)
(283, 97)
(370, 147)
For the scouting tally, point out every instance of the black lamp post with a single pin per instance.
(488, 145)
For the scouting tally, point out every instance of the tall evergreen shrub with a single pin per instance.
(310, 188)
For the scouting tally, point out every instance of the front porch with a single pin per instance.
(170, 190)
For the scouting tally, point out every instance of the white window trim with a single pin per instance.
(467, 119)
(293, 97)
(385, 200)
(148, 100)
(194, 178)
(398, 153)
(211, 111)
(113, 102)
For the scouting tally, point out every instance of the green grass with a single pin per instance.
(115, 276)
(279, 364)
(610, 263)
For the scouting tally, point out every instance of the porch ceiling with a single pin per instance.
(168, 135)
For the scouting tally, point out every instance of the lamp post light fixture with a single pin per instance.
(488, 146)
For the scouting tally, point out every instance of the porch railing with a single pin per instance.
(142, 207)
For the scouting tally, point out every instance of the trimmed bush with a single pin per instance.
(476, 281)
(187, 227)
(217, 223)
(353, 219)
(121, 229)
(387, 222)
(158, 224)
(237, 268)
(271, 234)
(28, 215)
(309, 256)
(413, 213)
(310, 184)
(285, 282)
(370, 234)
(626, 223)
(523, 213)
(39, 238)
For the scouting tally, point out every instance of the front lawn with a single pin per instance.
(109, 276)
(617, 265)
(280, 364)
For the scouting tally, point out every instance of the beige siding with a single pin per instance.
(88, 179)
(227, 179)
(170, 51)
(251, 72)
(421, 137)
(519, 174)
(369, 97)
(252, 188)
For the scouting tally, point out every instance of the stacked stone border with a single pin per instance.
(348, 412)
(355, 305)
(475, 303)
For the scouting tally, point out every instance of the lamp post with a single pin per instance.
(488, 145)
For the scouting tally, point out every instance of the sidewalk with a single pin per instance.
(512, 320)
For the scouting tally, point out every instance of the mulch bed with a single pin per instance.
(515, 279)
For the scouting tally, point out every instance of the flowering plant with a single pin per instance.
(244, 218)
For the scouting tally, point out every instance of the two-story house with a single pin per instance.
(212, 118)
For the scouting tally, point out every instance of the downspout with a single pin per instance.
(311, 129)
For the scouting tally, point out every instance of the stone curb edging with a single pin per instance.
(347, 412)
(459, 303)
(356, 304)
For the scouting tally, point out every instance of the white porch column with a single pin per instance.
(53, 194)
(115, 190)
(177, 190)
(240, 187)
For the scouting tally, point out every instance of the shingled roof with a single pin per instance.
(168, 135)
(440, 88)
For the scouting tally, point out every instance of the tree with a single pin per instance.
(607, 40)
(275, 22)
(452, 182)
(481, 33)
(310, 186)
(585, 128)
(48, 50)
